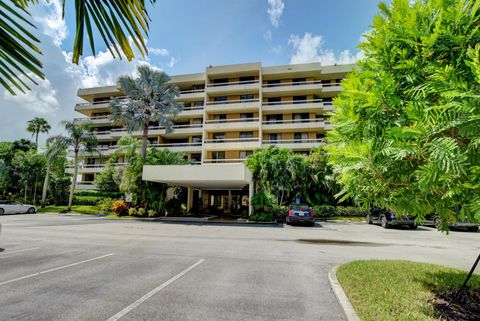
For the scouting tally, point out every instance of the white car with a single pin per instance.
(10, 207)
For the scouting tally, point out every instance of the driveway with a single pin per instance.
(85, 268)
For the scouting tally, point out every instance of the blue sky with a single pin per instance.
(185, 37)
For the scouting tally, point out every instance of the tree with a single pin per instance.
(55, 153)
(29, 167)
(36, 126)
(79, 137)
(10, 175)
(150, 99)
(406, 131)
(117, 23)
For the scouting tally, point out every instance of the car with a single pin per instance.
(11, 207)
(300, 213)
(388, 218)
(462, 223)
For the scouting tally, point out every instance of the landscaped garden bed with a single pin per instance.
(409, 291)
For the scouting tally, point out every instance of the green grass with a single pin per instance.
(82, 209)
(347, 218)
(397, 290)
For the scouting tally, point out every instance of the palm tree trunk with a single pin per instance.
(25, 196)
(144, 140)
(36, 141)
(74, 180)
(45, 186)
(35, 191)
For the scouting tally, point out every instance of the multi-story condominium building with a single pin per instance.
(229, 112)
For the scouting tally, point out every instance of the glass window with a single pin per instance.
(246, 97)
(220, 99)
(218, 137)
(245, 153)
(274, 83)
(274, 100)
(219, 117)
(196, 139)
(272, 119)
(247, 79)
(246, 134)
(299, 137)
(187, 104)
(247, 116)
(299, 99)
(221, 82)
(298, 81)
(218, 156)
(198, 103)
(274, 137)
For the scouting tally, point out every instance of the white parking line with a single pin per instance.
(153, 292)
(54, 269)
(18, 251)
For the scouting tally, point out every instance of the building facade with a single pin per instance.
(229, 112)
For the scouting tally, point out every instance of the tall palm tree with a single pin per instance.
(79, 136)
(36, 126)
(118, 23)
(150, 98)
(54, 150)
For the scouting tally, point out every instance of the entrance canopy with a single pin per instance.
(206, 176)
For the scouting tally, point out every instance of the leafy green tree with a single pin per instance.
(107, 179)
(150, 99)
(79, 137)
(29, 167)
(36, 126)
(55, 154)
(115, 22)
(406, 131)
(10, 175)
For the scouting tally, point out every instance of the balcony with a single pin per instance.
(103, 105)
(94, 120)
(244, 105)
(188, 112)
(292, 88)
(332, 87)
(103, 135)
(296, 124)
(85, 186)
(192, 94)
(224, 161)
(234, 87)
(178, 130)
(232, 143)
(180, 147)
(294, 144)
(296, 106)
(232, 124)
(90, 168)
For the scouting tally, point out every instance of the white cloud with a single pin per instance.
(158, 51)
(267, 34)
(275, 11)
(309, 48)
(51, 22)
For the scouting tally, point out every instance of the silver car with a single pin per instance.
(12, 207)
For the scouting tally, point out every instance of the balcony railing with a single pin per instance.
(102, 132)
(99, 102)
(85, 183)
(231, 140)
(81, 166)
(296, 121)
(193, 108)
(331, 84)
(233, 83)
(221, 161)
(236, 101)
(293, 83)
(88, 119)
(192, 91)
(294, 141)
(294, 102)
(188, 144)
(233, 120)
(117, 130)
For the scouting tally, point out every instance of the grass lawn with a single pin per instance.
(347, 218)
(398, 290)
(83, 209)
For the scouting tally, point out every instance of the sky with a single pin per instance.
(186, 36)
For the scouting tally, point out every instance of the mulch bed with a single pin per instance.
(465, 307)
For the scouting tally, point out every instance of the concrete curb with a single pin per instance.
(342, 298)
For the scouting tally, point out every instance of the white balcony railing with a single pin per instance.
(293, 102)
(233, 83)
(167, 145)
(331, 84)
(239, 101)
(107, 101)
(82, 166)
(294, 141)
(296, 121)
(232, 120)
(192, 91)
(293, 83)
(221, 161)
(231, 140)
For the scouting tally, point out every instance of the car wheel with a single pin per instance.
(369, 220)
(2, 211)
(473, 229)
(383, 222)
(31, 210)
(413, 226)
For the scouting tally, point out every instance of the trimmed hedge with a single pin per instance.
(328, 211)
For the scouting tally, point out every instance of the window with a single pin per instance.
(246, 97)
(88, 178)
(273, 119)
(299, 137)
(274, 100)
(298, 81)
(299, 99)
(247, 116)
(197, 121)
(245, 153)
(196, 139)
(198, 87)
(218, 137)
(220, 99)
(302, 118)
(246, 135)
(198, 104)
(221, 82)
(219, 117)
(247, 80)
(274, 83)
(196, 157)
(274, 137)
(187, 104)
(219, 157)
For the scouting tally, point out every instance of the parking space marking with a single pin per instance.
(55, 269)
(153, 292)
(18, 251)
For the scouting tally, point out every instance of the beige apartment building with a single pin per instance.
(229, 112)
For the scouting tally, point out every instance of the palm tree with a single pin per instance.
(55, 149)
(36, 126)
(79, 136)
(150, 98)
(119, 24)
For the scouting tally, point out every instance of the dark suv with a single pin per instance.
(300, 214)
(388, 218)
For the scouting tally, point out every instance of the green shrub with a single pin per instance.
(174, 207)
(350, 211)
(87, 200)
(261, 217)
(99, 194)
(264, 201)
(105, 204)
(141, 211)
(132, 211)
(152, 213)
(324, 210)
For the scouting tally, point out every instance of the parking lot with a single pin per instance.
(86, 268)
